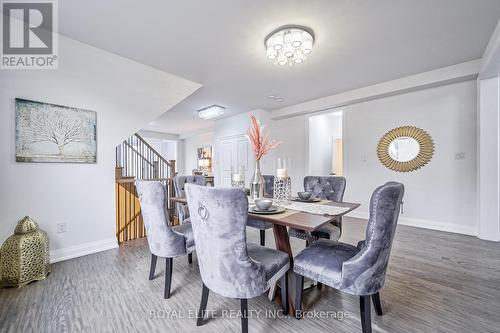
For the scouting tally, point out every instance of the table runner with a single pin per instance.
(316, 208)
(319, 208)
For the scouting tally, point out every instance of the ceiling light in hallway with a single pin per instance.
(210, 112)
(289, 45)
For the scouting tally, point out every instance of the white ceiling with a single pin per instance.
(220, 44)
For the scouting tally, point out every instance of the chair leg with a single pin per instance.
(168, 277)
(153, 267)
(263, 237)
(366, 319)
(272, 292)
(284, 293)
(203, 305)
(376, 304)
(244, 315)
(190, 258)
(299, 286)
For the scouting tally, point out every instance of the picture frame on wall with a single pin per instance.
(205, 159)
(54, 133)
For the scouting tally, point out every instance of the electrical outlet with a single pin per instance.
(460, 155)
(61, 227)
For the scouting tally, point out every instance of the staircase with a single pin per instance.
(136, 159)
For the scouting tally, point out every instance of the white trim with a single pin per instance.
(202, 131)
(426, 224)
(439, 77)
(82, 249)
(490, 66)
(158, 135)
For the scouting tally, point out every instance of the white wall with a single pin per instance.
(190, 158)
(166, 148)
(235, 125)
(126, 96)
(489, 140)
(293, 133)
(441, 195)
(489, 153)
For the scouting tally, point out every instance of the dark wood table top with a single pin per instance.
(296, 219)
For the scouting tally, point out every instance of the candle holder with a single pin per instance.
(282, 183)
(238, 177)
(283, 190)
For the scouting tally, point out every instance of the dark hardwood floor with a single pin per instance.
(436, 282)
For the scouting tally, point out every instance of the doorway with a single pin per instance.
(325, 144)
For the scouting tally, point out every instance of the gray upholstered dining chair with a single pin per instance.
(260, 224)
(356, 270)
(163, 240)
(229, 265)
(179, 183)
(329, 188)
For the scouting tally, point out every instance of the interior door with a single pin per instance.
(243, 156)
(233, 151)
(226, 160)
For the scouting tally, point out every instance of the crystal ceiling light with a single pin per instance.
(289, 45)
(211, 112)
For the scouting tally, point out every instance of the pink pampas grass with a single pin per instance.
(261, 143)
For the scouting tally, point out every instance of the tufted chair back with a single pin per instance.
(269, 185)
(219, 218)
(364, 274)
(181, 181)
(179, 186)
(162, 241)
(326, 187)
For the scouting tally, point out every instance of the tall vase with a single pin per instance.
(257, 183)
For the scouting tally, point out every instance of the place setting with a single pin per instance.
(265, 207)
(305, 197)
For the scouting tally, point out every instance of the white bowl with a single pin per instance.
(263, 204)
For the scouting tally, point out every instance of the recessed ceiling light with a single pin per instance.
(210, 112)
(275, 98)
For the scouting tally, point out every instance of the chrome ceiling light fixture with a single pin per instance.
(289, 45)
(211, 112)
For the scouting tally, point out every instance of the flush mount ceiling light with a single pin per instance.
(210, 112)
(289, 45)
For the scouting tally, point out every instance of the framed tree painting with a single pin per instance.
(54, 133)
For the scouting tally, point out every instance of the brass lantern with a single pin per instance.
(24, 257)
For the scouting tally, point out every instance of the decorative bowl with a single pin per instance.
(304, 195)
(263, 204)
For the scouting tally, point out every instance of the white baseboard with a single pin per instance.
(82, 249)
(426, 224)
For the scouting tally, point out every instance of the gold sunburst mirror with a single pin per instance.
(405, 149)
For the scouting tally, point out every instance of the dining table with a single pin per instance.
(295, 218)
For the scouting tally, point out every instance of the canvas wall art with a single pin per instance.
(54, 133)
